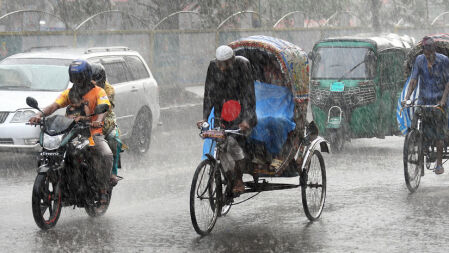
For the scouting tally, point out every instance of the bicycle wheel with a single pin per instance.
(313, 186)
(205, 195)
(413, 160)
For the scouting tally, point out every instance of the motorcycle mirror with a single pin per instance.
(99, 109)
(32, 102)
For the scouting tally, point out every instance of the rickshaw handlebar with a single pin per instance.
(237, 131)
(218, 133)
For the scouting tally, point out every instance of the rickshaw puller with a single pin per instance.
(230, 79)
(433, 70)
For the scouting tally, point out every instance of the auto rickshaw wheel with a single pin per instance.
(313, 186)
(413, 156)
(337, 139)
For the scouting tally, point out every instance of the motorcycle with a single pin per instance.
(65, 175)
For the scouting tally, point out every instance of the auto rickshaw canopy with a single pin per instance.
(378, 42)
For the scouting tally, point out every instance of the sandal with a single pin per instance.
(438, 169)
(276, 164)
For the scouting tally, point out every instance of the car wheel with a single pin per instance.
(141, 134)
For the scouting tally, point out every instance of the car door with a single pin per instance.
(125, 102)
(140, 81)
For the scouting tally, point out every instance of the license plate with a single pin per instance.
(338, 87)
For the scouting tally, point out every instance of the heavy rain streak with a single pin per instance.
(224, 126)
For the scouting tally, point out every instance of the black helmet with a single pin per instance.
(80, 72)
(98, 74)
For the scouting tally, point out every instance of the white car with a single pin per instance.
(43, 74)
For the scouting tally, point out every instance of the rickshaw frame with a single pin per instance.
(425, 150)
(305, 144)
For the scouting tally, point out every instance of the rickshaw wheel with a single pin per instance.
(313, 186)
(413, 160)
(205, 197)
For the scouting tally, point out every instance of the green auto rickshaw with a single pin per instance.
(355, 84)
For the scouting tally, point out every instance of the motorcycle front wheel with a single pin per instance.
(46, 201)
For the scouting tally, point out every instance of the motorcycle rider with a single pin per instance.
(230, 80)
(80, 73)
(110, 128)
(433, 70)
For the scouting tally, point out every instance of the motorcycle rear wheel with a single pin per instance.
(46, 201)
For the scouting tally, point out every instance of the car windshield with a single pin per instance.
(334, 62)
(34, 74)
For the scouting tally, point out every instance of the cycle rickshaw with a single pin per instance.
(300, 150)
(419, 151)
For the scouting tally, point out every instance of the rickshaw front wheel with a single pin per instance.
(205, 197)
(313, 186)
(413, 160)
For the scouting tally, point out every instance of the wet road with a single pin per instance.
(368, 207)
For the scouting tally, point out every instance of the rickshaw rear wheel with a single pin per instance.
(205, 197)
(313, 186)
(413, 160)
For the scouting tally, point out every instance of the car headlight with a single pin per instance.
(52, 142)
(22, 116)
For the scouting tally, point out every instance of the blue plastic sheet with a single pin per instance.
(405, 119)
(274, 109)
(209, 144)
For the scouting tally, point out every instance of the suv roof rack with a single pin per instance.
(105, 49)
(44, 47)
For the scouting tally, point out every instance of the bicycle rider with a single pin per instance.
(433, 70)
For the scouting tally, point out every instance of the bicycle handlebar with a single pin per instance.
(422, 106)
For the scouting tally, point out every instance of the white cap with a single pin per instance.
(224, 53)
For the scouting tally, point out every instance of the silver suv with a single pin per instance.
(43, 74)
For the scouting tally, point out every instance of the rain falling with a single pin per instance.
(224, 126)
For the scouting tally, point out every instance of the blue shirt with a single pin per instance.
(432, 82)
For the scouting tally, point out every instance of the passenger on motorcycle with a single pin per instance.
(110, 128)
(433, 71)
(230, 81)
(80, 73)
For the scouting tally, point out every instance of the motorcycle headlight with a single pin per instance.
(22, 116)
(80, 142)
(52, 142)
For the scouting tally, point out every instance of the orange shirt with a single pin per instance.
(96, 96)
